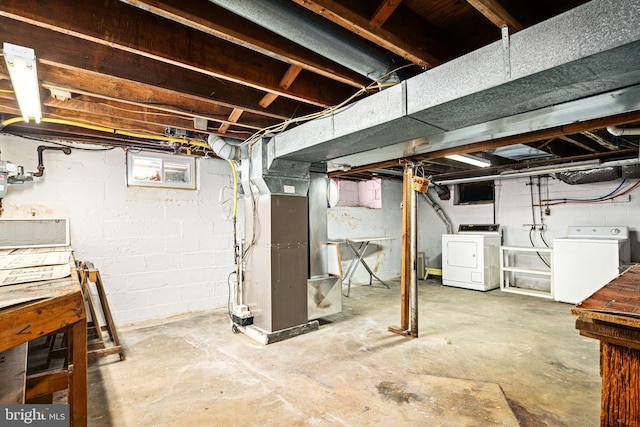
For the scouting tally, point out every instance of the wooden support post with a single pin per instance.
(405, 280)
(78, 369)
(620, 370)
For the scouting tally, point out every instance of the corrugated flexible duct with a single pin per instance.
(224, 149)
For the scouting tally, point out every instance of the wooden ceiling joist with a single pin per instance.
(496, 13)
(384, 11)
(410, 50)
(51, 49)
(286, 81)
(133, 30)
(205, 16)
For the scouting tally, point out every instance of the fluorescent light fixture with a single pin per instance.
(21, 63)
(470, 160)
(569, 167)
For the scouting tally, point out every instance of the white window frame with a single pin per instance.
(163, 160)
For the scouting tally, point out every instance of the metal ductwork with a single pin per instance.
(580, 65)
(589, 176)
(312, 32)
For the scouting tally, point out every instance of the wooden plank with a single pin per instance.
(285, 82)
(13, 371)
(132, 30)
(405, 284)
(233, 118)
(620, 370)
(413, 50)
(147, 114)
(384, 11)
(37, 319)
(44, 383)
(101, 352)
(217, 21)
(494, 12)
(268, 99)
(92, 65)
(78, 368)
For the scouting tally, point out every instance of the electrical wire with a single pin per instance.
(229, 294)
(235, 188)
(534, 225)
(610, 196)
(48, 141)
(114, 131)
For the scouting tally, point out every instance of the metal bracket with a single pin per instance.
(505, 50)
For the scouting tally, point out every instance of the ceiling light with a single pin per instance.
(470, 160)
(21, 63)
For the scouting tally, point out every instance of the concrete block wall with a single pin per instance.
(383, 257)
(513, 210)
(160, 252)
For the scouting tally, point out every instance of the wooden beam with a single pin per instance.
(214, 20)
(285, 82)
(141, 95)
(546, 135)
(233, 118)
(410, 50)
(405, 283)
(578, 143)
(494, 12)
(384, 11)
(128, 70)
(118, 25)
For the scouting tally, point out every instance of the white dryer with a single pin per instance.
(587, 259)
(471, 258)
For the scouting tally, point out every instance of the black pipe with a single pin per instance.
(41, 148)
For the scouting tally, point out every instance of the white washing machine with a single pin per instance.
(587, 259)
(471, 258)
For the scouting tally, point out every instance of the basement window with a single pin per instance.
(161, 170)
(472, 193)
(365, 194)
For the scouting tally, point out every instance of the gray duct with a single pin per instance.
(589, 176)
(307, 30)
(436, 207)
(223, 149)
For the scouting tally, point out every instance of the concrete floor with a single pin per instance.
(481, 359)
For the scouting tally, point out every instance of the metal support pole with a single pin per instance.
(413, 277)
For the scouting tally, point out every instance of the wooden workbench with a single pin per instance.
(41, 308)
(612, 315)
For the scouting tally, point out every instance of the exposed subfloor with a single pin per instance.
(481, 359)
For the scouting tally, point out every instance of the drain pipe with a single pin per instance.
(41, 148)
(306, 29)
(436, 207)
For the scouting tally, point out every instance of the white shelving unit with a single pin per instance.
(506, 270)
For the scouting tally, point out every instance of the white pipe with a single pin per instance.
(618, 131)
(223, 149)
(536, 172)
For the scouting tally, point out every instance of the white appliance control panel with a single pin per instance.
(598, 232)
